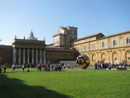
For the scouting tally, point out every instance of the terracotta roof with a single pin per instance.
(117, 34)
(88, 36)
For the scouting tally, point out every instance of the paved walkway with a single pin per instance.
(87, 69)
(65, 70)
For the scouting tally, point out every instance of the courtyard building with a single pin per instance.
(67, 46)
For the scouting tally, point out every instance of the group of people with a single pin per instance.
(48, 67)
(65, 66)
(23, 67)
(109, 65)
(40, 67)
(103, 65)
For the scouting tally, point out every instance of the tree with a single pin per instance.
(7, 64)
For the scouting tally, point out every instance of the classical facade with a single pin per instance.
(110, 48)
(29, 50)
(33, 51)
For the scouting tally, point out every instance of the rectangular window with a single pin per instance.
(115, 59)
(61, 42)
(128, 58)
(104, 59)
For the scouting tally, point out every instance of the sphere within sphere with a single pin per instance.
(82, 61)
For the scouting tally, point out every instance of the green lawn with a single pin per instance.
(66, 84)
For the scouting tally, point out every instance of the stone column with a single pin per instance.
(19, 55)
(44, 56)
(36, 56)
(14, 55)
(28, 56)
(24, 56)
(32, 56)
(40, 55)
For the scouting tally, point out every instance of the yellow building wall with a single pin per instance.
(109, 53)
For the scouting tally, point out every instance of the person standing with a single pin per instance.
(37, 67)
(28, 68)
(42, 67)
(13, 68)
(45, 67)
(96, 65)
(69, 66)
(109, 66)
(64, 66)
(4, 69)
(23, 67)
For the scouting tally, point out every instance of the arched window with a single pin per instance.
(127, 40)
(103, 44)
(114, 43)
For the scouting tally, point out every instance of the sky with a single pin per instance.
(44, 18)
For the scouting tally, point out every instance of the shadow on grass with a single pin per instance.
(15, 88)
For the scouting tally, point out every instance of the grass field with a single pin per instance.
(66, 84)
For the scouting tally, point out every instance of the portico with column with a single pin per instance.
(29, 50)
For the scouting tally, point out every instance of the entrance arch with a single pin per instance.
(103, 57)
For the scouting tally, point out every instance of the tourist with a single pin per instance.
(37, 67)
(42, 67)
(69, 66)
(4, 69)
(64, 66)
(96, 65)
(109, 66)
(45, 67)
(23, 67)
(13, 68)
(48, 67)
(51, 67)
(28, 68)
